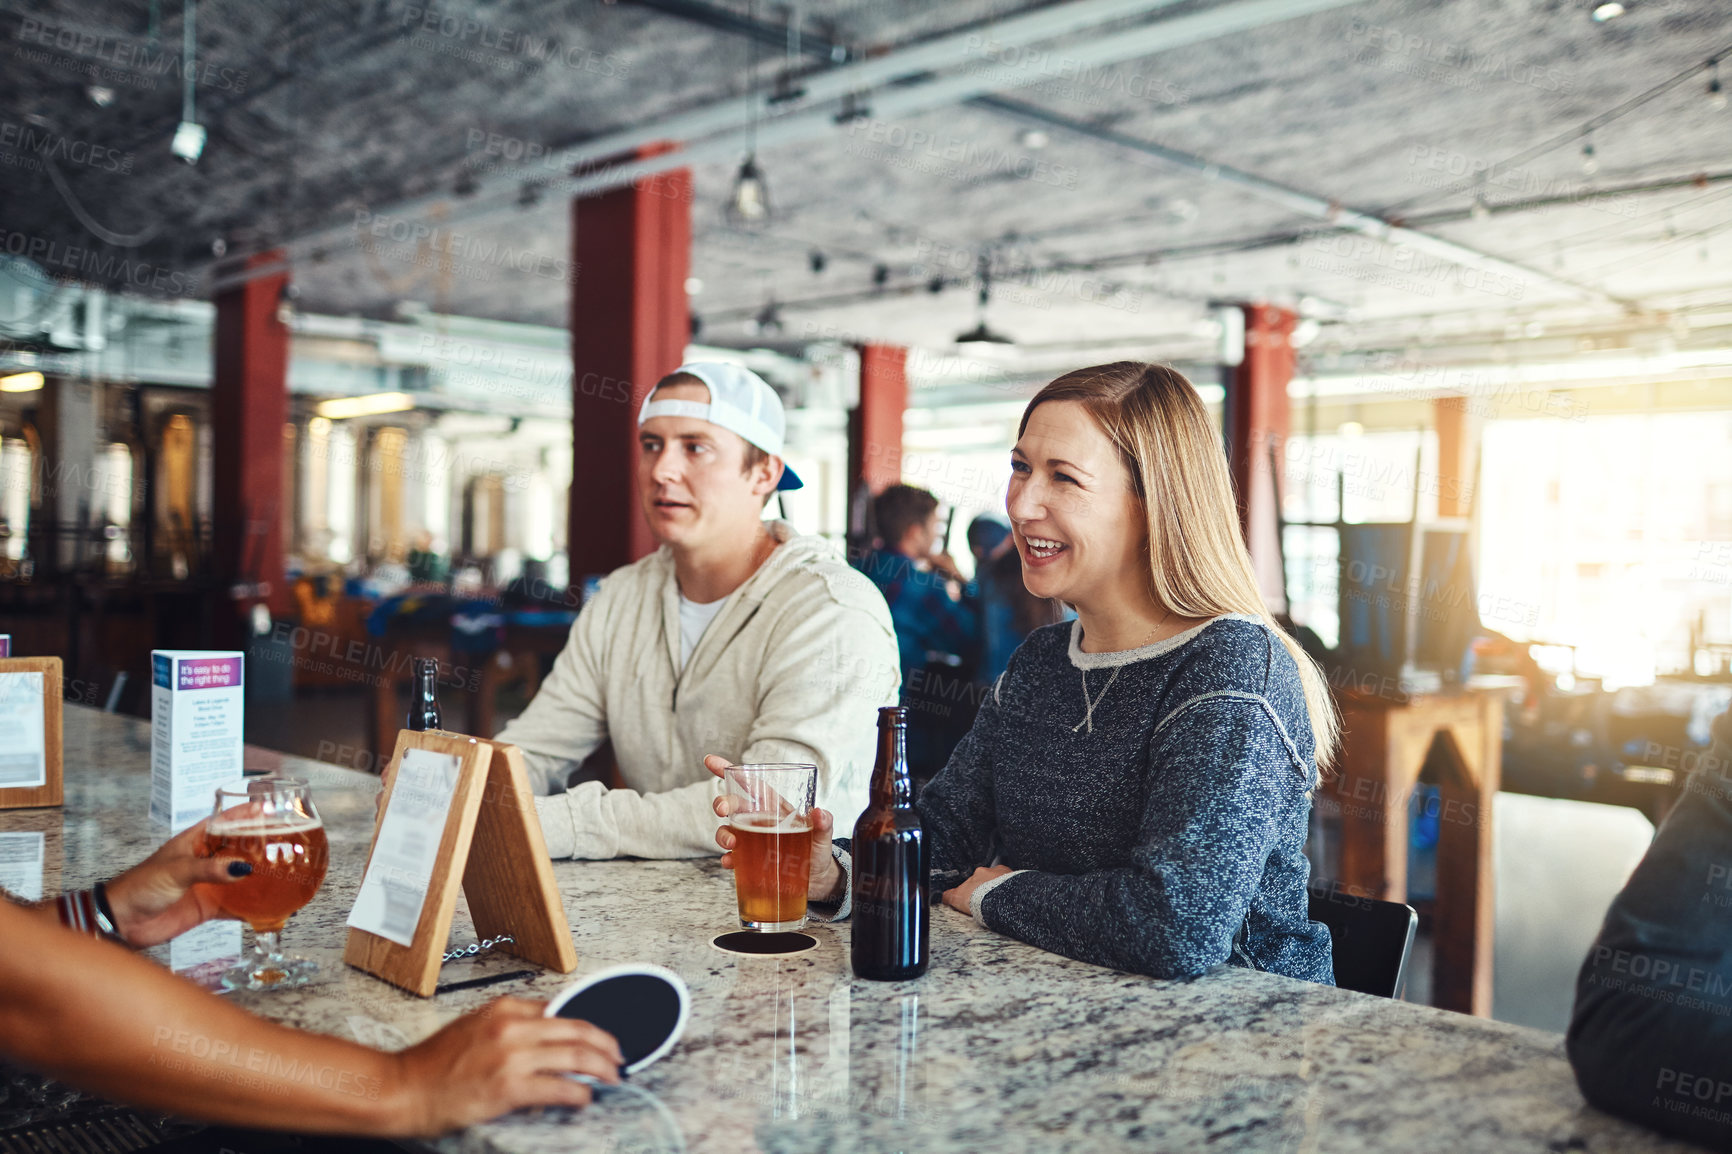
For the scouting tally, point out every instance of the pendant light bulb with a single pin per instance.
(750, 202)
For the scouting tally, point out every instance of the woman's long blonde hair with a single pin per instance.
(1198, 563)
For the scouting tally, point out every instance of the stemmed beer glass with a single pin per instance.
(275, 826)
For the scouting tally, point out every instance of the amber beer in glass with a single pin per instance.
(772, 827)
(891, 933)
(275, 827)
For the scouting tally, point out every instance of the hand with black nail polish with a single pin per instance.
(172, 890)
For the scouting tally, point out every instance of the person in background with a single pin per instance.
(736, 635)
(937, 631)
(1136, 789)
(1650, 1037)
(1008, 611)
(76, 1005)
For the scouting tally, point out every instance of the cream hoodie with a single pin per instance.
(794, 668)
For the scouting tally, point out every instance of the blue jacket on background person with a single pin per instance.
(926, 619)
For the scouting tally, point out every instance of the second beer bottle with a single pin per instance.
(424, 696)
(891, 918)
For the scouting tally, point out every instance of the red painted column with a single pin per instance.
(875, 425)
(630, 323)
(249, 407)
(1259, 417)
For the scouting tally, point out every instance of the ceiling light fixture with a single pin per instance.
(981, 334)
(768, 322)
(1590, 161)
(817, 260)
(750, 202)
(1716, 94)
(1033, 138)
(370, 405)
(189, 134)
(21, 383)
(1608, 11)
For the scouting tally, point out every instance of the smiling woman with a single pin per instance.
(1120, 503)
(1155, 821)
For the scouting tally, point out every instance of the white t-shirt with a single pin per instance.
(694, 619)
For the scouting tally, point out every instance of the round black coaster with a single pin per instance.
(644, 1007)
(775, 945)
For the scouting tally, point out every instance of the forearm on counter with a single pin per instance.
(117, 1025)
(1110, 917)
(591, 822)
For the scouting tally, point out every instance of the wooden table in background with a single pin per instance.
(482, 675)
(1387, 741)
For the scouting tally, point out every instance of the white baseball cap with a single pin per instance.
(740, 401)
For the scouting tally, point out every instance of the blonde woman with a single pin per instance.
(1136, 789)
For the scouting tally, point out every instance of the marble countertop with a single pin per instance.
(999, 1046)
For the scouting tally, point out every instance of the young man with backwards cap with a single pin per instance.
(736, 637)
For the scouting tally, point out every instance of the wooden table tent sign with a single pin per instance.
(20, 680)
(493, 843)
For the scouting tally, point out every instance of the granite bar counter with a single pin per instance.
(999, 1047)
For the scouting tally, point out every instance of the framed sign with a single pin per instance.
(30, 733)
(457, 811)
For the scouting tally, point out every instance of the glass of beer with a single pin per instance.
(274, 826)
(771, 819)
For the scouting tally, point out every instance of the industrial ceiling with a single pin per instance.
(1406, 173)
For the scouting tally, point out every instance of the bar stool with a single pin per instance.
(1369, 940)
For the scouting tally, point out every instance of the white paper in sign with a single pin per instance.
(395, 887)
(21, 858)
(23, 742)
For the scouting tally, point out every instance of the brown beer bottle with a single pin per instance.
(891, 918)
(424, 696)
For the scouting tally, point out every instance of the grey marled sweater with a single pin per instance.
(1161, 831)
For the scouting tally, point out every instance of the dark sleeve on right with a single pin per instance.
(1651, 1034)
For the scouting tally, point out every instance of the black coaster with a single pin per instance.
(781, 945)
(645, 1007)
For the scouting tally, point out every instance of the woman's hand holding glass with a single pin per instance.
(826, 877)
(162, 896)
